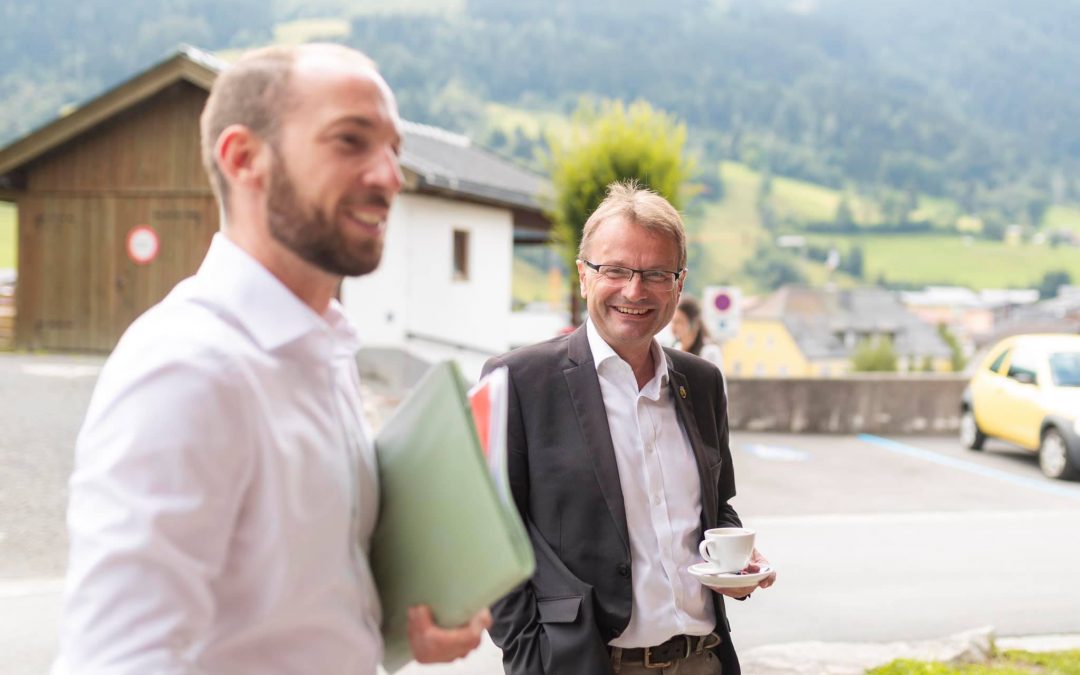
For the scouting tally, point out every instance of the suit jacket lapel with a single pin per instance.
(683, 396)
(588, 401)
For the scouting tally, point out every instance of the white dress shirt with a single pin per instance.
(224, 490)
(661, 492)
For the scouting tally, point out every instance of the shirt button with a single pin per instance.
(648, 449)
(624, 570)
(656, 500)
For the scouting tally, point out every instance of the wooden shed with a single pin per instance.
(114, 207)
(84, 182)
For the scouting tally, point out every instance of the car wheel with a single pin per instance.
(970, 435)
(1054, 456)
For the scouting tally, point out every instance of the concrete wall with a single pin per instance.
(879, 404)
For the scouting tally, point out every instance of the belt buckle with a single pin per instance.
(649, 664)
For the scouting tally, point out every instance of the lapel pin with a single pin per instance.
(682, 391)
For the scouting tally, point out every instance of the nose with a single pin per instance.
(635, 288)
(386, 172)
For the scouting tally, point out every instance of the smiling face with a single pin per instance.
(628, 315)
(335, 166)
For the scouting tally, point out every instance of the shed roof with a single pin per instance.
(441, 162)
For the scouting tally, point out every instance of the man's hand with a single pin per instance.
(757, 561)
(431, 644)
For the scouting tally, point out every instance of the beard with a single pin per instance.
(312, 234)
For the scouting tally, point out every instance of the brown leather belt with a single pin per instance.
(666, 654)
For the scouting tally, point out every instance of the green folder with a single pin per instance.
(444, 536)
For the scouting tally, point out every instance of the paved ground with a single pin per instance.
(875, 539)
(905, 539)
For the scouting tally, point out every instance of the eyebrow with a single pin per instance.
(366, 122)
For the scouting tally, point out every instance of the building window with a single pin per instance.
(461, 255)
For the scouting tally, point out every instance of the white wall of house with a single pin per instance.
(415, 294)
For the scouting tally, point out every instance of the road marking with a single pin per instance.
(774, 453)
(20, 588)
(1045, 485)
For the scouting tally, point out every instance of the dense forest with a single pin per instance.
(974, 100)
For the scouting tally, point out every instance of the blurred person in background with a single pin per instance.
(691, 335)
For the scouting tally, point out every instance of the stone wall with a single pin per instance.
(872, 403)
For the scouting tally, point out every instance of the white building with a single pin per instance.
(444, 287)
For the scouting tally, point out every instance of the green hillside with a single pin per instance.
(1062, 217)
(956, 260)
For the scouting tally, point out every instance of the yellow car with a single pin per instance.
(1027, 392)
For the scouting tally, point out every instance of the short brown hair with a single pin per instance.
(253, 92)
(640, 206)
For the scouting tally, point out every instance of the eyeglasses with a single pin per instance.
(658, 279)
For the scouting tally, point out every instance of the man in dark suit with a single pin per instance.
(619, 460)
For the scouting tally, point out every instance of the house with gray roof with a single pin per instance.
(814, 332)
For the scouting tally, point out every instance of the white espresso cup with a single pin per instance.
(728, 548)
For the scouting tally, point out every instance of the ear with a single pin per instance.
(581, 269)
(679, 284)
(242, 156)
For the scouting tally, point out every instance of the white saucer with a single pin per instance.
(706, 573)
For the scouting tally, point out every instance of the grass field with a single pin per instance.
(941, 259)
(796, 200)
(8, 241)
(1007, 663)
(1063, 217)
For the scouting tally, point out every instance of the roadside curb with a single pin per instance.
(855, 658)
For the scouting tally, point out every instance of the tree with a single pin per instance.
(844, 217)
(772, 268)
(608, 143)
(874, 356)
(956, 353)
(1052, 281)
(853, 262)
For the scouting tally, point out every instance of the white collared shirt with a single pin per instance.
(224, 490)
(661, 490)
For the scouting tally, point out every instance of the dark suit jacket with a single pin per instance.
(565, 481)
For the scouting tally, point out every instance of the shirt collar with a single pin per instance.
(272, 313)
(602, 353)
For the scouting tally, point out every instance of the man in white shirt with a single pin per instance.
(225, 486)
(619, 460)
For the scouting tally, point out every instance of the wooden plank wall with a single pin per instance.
(78, 289)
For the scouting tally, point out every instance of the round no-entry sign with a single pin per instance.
(142, 244)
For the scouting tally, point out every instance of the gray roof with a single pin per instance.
(447, 161)
(444, 162)
(819, 319)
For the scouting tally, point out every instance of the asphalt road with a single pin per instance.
(874, 539)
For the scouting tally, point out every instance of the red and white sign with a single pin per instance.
(142, 244)
(722, 310)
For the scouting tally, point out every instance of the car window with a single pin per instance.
(1065, 369)
(996, 365)
(1023, 366)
